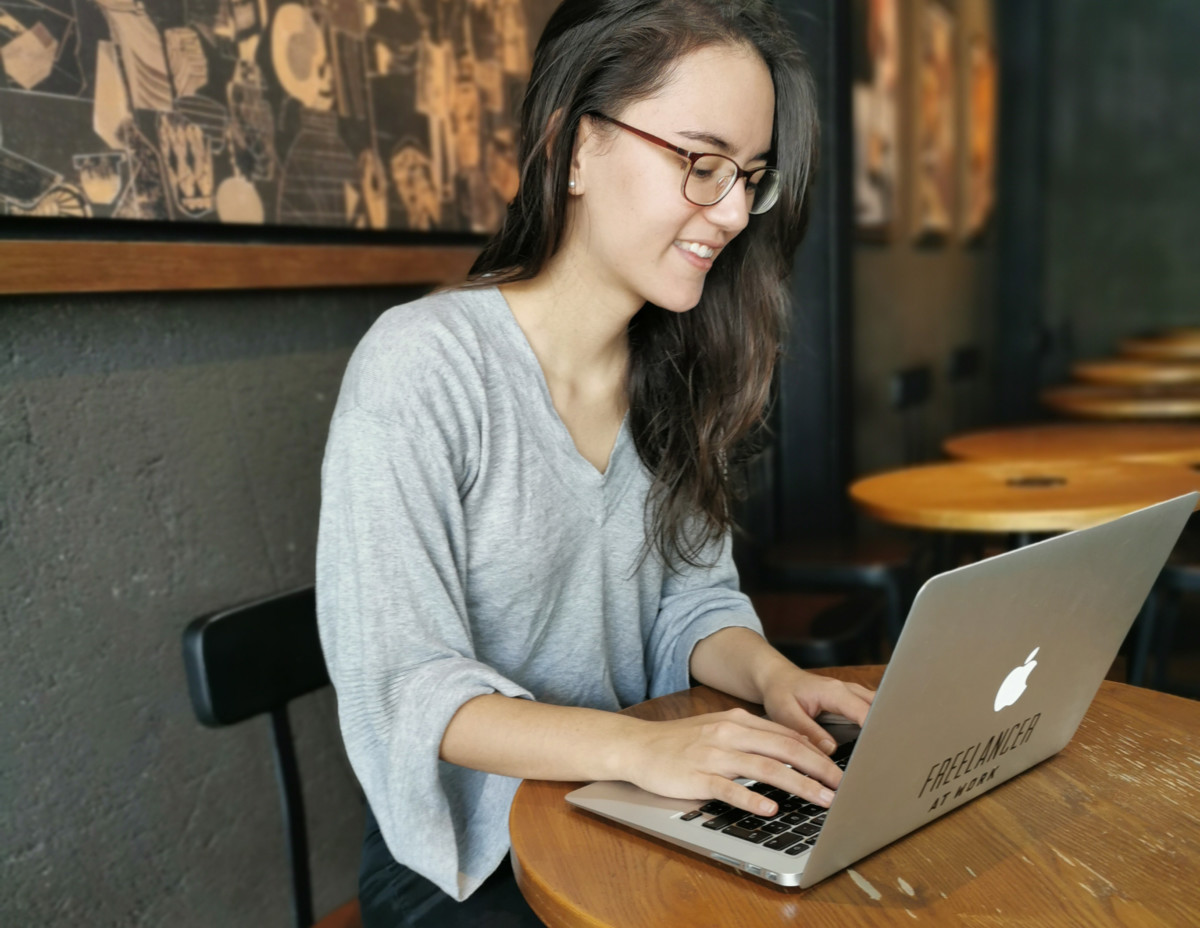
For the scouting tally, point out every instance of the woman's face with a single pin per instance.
(631, 233)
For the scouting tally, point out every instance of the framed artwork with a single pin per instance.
(875, 60)
(362, 114)
(936, 177)
(979, 165)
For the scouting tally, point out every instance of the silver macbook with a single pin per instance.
(996, 666)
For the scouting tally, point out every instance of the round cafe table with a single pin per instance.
(1177, 345)
(1019, 497)
(1177, 442)
(1106, 401)
(1100, 834)
(1136, 372)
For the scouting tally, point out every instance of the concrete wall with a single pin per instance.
(159, 458)
(1123, 197)
(915, 303)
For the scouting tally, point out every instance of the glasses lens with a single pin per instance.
(711, 176)
(762, 190)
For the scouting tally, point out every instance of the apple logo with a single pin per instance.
(1014, 684)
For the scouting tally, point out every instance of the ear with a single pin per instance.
(586, 138)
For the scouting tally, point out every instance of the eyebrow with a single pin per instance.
(718, 143)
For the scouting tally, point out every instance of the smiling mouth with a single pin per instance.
(702, 251)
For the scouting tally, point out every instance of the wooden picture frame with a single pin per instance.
(106, 266)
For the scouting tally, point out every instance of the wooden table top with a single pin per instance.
(1177, 345)
(1107, 401)
(1134, 371)
(1158, 441)
(1104, 833)
(1019, 496)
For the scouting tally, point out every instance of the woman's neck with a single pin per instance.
(576, 330)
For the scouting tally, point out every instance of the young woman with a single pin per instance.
(527, 487)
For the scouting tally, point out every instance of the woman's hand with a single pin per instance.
(794, 698)
(700, 757)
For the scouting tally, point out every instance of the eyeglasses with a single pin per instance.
(710, 176)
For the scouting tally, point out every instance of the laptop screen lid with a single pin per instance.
(993, 672)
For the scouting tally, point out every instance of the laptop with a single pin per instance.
(997, 663)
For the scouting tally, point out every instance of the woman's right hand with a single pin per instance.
(700, 758)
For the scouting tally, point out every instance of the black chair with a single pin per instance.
(910, 391)
(822, 629)
(962, 373)
(252, 660)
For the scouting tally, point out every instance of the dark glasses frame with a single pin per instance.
(692, 157)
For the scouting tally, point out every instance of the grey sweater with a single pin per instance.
(466, 548)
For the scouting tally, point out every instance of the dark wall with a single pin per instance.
(1123, 194)
(159, 458)
(812, 453)
(1100, 193)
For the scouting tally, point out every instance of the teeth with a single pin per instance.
(697, 249)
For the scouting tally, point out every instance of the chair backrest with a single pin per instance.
(251, 660)
(911, 389)
(962, 372)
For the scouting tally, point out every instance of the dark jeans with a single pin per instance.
(393, 896)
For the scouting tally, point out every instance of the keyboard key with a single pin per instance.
(688, 816)
(819, 819)
(725, 819)
(746, 834)
(753, 823)
(808, 828)
(775, 828)
(794, 818)
(782, 842)
(778, 795)
(796, 849)
(715, 807)
(760, 787)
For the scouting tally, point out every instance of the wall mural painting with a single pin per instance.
(937, 125)
(875, 60)
(367, 114)
(979, 179)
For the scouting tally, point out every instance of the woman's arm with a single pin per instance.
(693, 758)
(740, 662)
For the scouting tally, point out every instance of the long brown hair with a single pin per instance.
(699, 382)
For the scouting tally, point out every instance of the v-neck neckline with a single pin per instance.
(559, 450)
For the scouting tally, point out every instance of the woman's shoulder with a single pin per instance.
(441, 322)
(431, 348)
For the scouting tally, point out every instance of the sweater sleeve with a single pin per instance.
(391, 558)
(696, 602)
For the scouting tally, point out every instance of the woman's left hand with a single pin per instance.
(795, 697)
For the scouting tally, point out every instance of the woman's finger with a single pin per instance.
(764, 770)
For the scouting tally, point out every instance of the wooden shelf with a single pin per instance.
(94, 267)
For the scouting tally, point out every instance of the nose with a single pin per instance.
(731, 212)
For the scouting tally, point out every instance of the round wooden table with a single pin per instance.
(1103, 833)
(1105, 401)
(1177, 442)
(1019, 496)
(1178, 345)
(1135, 372)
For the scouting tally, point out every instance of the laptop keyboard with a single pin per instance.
(793, 829)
